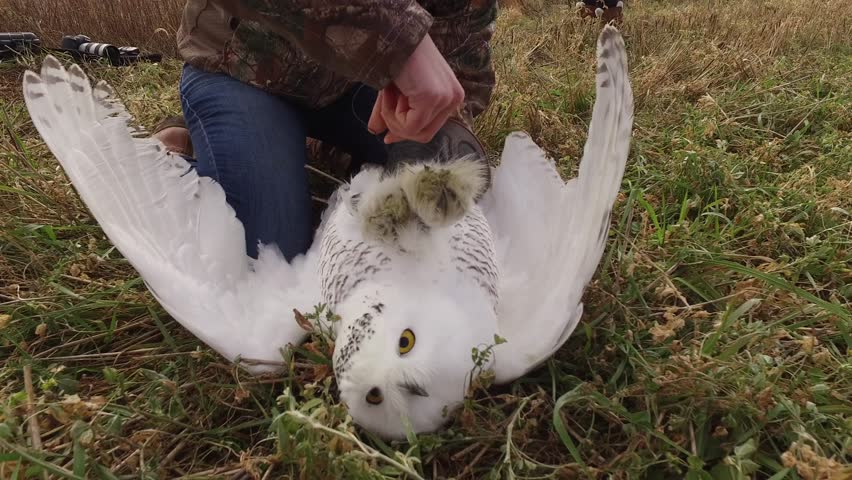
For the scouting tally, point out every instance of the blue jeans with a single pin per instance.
(253, 144)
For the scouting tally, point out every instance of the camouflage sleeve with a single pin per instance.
(465, 42)
(365, 40)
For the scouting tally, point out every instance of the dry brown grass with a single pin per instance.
(147, 24)
(678, 50)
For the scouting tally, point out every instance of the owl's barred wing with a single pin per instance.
(174, 227)
(550, 235)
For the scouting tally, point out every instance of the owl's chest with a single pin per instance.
(464, 252)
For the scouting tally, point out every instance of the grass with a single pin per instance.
(716, 343)
(150, 25)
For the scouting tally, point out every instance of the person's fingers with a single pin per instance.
(415, 121)
(427, 92)
(391, 138)
(421, 124)
(424, 122)
(390, 98)
(409, 118)
(402, 108)
(376, 124)
(428, 133)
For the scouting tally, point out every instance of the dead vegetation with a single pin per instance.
(147, 24)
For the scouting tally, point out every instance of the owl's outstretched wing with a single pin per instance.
(551, 235)
(174, 227)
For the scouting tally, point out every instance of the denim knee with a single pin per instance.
(253, 145)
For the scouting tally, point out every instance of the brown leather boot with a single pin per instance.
(174, 135)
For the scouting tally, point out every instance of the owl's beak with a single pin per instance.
(414, 389)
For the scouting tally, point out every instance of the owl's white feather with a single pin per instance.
(515, 265)
(550, 234)
(174, 227)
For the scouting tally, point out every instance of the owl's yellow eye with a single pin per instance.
(406, 341)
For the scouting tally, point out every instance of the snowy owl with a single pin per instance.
(422, 266)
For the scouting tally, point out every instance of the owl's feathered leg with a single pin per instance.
(379, 204)
(386, 216)
(424, 185)
(440, 194)
(420, 196)
(443, 178)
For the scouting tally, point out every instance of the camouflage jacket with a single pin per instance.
(313, 51)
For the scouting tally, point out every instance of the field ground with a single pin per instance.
(716, 343)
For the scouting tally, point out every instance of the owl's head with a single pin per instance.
(399, 361)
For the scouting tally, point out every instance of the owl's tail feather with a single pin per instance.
(551, 234)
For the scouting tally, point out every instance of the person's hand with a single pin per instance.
(421, 98)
